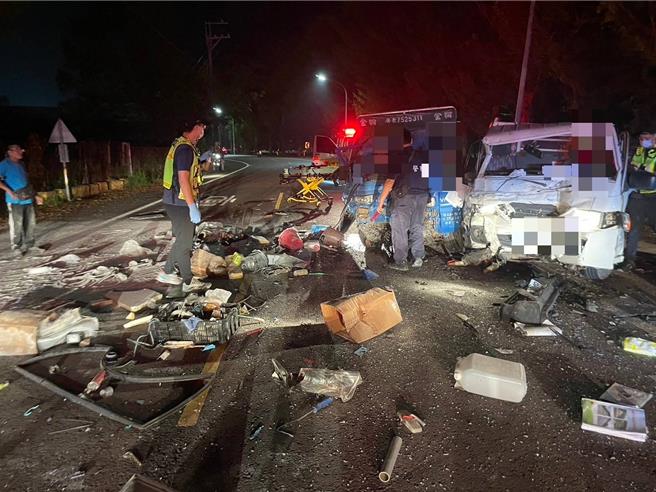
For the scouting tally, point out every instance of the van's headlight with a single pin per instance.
(613, 219)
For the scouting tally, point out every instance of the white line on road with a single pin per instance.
(138, 209)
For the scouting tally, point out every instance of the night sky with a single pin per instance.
(135, 70)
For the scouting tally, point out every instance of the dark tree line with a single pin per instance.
(589, 61)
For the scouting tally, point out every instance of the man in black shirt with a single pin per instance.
(410, 195)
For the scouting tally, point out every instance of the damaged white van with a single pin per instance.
(550, 191)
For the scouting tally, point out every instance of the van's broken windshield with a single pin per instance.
(530, 157)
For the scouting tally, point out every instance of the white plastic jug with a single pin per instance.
(489, 376)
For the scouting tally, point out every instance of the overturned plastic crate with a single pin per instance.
(206, 331)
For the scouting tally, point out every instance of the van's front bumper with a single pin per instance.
(579, 237)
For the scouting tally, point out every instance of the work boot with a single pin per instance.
(418, 263)
(195, 286)
(35, 250)
(402, 267)
(628, 265)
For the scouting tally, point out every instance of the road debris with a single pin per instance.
(362, 316)
(281, 375)
(504, 351)
(614, 420)
(331, 238)
(532, 307)
(205, 264)
(546, 329)
(18, 332)
(639, 346)
(132, 456)
(256, 432)
(221, 296)
(591, 306)
(290, 240)
(370, 275)
(144, 320)
(323, 404)
(101, 305)
(338, 383)
(54, 331)
(623, 395)
(77, 427)
(137, 300)
(385, 474)
(413, 423)
(361, 351)
(491, 377)
(138, 483)
(4, 385)
(30, 410)
(133, 249)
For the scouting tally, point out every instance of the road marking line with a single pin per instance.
(139, 209)
(192, 410)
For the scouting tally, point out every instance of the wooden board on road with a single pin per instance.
(192, 410)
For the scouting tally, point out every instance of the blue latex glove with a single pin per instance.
(206, 156)
(194, 213)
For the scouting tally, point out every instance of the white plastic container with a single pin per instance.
(489, 376)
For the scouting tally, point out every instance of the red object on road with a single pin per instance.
(290, 240)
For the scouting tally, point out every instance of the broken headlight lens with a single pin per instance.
(612, 219)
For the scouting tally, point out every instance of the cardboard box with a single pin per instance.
(18, 332)
(362, 316)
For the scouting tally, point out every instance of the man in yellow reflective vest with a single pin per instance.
(642, 203)
(181, 181)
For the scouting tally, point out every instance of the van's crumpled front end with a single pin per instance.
(530, 229)
(533, 200)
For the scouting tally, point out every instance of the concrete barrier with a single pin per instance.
(116, 184)
(80, 191)
(94, 189)
(104, 186)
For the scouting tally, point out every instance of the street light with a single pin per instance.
(219, 112)
(321, 77)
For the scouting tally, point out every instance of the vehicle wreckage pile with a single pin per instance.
(93, 356)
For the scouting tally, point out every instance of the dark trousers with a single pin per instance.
(407, 223)
(22, 221)
(642, 209)
(183, 231)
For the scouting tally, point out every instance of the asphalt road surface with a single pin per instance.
(469, 443)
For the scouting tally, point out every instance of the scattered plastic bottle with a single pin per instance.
(491, 377)
(639, 346)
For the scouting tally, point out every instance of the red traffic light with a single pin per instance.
(349, 132)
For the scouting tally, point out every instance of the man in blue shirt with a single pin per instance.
(20, 199)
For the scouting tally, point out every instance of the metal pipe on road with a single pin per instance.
(385, 474)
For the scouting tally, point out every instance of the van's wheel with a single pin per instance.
(596, 273)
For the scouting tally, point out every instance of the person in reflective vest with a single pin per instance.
(642, 203)
(645, 155)
(181, 181)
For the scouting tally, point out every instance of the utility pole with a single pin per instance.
(522, 78)
(234, 149)
(214, 34)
